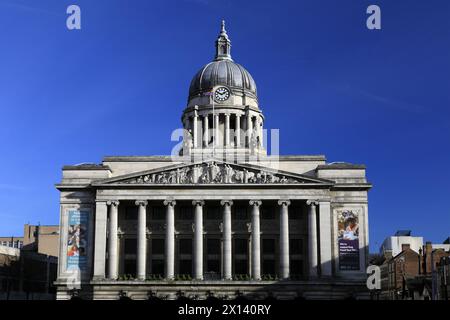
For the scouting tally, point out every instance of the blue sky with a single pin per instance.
(119, 85)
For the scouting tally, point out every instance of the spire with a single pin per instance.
(223, 45)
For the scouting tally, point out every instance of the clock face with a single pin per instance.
(221, 94)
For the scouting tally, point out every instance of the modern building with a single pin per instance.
(220, 217)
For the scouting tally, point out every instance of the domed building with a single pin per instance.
(219, 217)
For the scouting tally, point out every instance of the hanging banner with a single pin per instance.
(77, 240)
(348, 239)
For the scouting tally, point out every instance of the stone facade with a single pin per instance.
(221, 217)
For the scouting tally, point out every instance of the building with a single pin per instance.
(414, 274)
(221, 217)
(28, 264)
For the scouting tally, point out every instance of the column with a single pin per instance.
(249, 130)
(142, 240)
(237, 133)
(227, 257)
(198, 239)
(256, 239)
(216, 130)
(227, 129)
(195, 129)
(113, 247)
(170, 239)
(284, 238)
(100, 239)
(312, 240)
(325, 238)
(205, 130)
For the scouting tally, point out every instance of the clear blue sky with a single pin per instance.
(119, 85)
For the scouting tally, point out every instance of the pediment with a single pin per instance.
(214, 172)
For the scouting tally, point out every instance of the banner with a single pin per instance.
(77, 240)
(348, 239)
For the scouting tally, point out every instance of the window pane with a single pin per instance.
(295, 212)
(213, 246)
(131, 212)
(157, 246)
(185, 213)
(158, 213)
(130, 246)
(158, 267)
(241, 213)
(269, 266)
(213, 213)
(213, 266)
(240, 246)
(268, 246)
(296, 267)
(268, 212)
(296, 246)
(185, 266)
(130, 267)
(185, 246)
(240, 267)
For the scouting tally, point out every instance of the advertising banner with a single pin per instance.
(348, 239)
(77, 240)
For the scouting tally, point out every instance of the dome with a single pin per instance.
(222, 72)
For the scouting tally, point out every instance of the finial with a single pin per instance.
(223, 44)
(222, 29)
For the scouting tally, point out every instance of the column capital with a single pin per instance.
(170, 202)
(284, 202)
(226, 203)
(141, 202)
(198, 202)
(312, 202)
(113, 203)
(255, 203)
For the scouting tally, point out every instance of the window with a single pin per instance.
(269, 266)
(131, 212)
(240, 266)
(268, 212)
(213, 213)
(296, 246)
(185, 266)
(158, 266)
(185, 246)
(157, 246)
(185, 213)
(240, 246)
(158, 213)
(296, 267)
(268, 246)
(213, 246)
(130, 267)
(213, 265)
(130, 246)
(295, 212)
(241, 213)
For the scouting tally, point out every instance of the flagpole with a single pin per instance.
(214, 125)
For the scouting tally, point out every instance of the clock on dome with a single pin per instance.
(221, 94)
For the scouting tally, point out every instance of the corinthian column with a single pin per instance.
(142, 240)
(195, 129)
(237, 133)
(256, 240)
(227, 258)
(198, 239)
(312, 240)
(170, 239)
(284, 238)
(227, 129)
(216, 130)
(113, 247)
(205, 130)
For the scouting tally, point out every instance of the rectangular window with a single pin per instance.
(185, 266)
(268, 246)
(268, 212)
(296, 246)
(240, 266)
(130, 246)
(158, 213)
(158, 266)
(213, 213)
(157, 246)
(269, 266)
(240, 213)
(296, 267)
(213, 246)
(130, 267)
(185, 246)
(296, 212)
(213, 265)
(185, 213)
(240, 246)
(131, 212)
